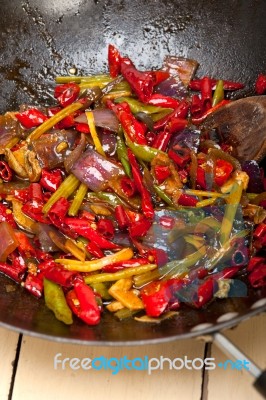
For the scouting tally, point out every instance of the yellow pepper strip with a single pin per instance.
(203, 193)
(49, 123)
(230, 211)
(22, 219)
(67, 187)
(125, 273)
(114, 306)
(75, 250)
(94, 265)
(120, 291)
(78, 199)
(206, 202)
(95, 138)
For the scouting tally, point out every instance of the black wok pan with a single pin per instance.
(42, 39)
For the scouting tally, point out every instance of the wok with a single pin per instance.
(40, 40)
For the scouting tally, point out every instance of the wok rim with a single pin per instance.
(193, 334)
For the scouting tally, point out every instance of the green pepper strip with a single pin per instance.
(163, 196)
(233, 200)
(110, 198)
(122, 155)
(78, 199)
(136, 106)
(55, 300)
(78, 79)
(49, 123)
(143, 152)
(173, 269)
(126, 273)
(218, 94)
(67, 187)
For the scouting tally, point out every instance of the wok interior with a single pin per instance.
(43, 39)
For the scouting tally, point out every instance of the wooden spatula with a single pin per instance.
(242, 124)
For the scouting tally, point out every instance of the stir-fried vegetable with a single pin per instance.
(117, 199)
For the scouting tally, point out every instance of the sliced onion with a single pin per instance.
(109, 142)
(8, 241)
(185, 68)
(43, 235)
(172, 87)
(96, 171)
(76, 153)
(189, 137)
(103, 118)
(255, 184)
(47, 150)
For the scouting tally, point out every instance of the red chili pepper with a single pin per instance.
(161, 140)
(35, 192)
(140, 228)
(260, 85)
(82, 127)
(121, 217)
(167, 222)
(187, 200)
(58, 211)
(106, 228)
(260, 230)
(141, 82)
(25, 248)
(31, 118)
(195, 84)
(257, 277)
(180, 155)
(89, 310)
(34, 284)
(180, 112)
(134, 262)
(199, 120)
(160, 100)
(196, 108)
(206, 93)
(94, 250)
(114, 61)
(84, 214)
(6, 215)
(15, 271)
(33, 209)
(83, 228)
(176, 125)
(51, 180)
(200, 178)
(255, 262)
(146, 202)
(157, 295)
(133, 128)
(128, 186)
(159, 76)
(5, 171)
(67, 93)
(161, 172)
(223, 170)
(21, 194)
(60, 276)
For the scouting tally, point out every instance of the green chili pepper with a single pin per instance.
(163, 196)
(55, 300)
(106, 197)
(122, 155)
(136, 106)
(218, 94)
(143, 152)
